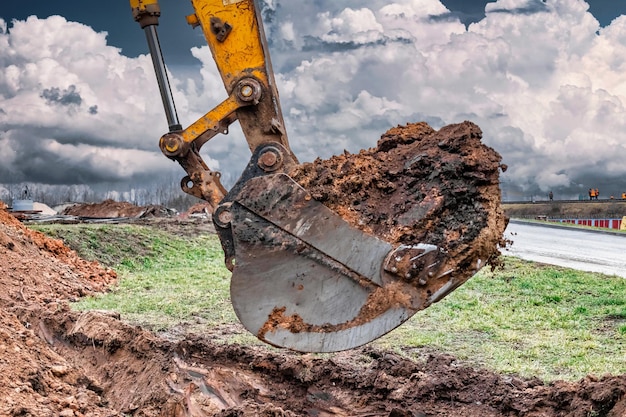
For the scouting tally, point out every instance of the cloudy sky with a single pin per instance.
(544, 79)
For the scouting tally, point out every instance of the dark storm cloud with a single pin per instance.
(65, 97)
(450, 17)
(531, 7)
(316, 44)
(48, 168)
(33, 136)
(35, 163)
(67, 161)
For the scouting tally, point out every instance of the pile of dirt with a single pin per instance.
(420, 186)
(201, 209)
(112, 209)
(43, 209)
(36, 268)
(39, 276)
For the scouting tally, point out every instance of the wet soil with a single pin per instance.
(58, 362)
(420, 186)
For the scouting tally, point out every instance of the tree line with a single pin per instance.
(164, 192)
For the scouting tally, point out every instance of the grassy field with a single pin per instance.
(527, 319)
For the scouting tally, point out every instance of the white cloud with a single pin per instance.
(359, 26)
(60, 83)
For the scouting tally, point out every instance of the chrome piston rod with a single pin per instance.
(163, 81)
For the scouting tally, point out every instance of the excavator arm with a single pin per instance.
(234, 32)
(302, 277)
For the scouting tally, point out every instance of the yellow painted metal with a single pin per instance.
(211, 120)
(146, 12)
(243, 48)
(234, 32)
(142, 4)
(192, 20)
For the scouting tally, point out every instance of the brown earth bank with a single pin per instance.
(116, 209)
(560, 209)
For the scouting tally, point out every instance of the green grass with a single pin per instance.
(112, 245)
(165, 280)
(527, 319)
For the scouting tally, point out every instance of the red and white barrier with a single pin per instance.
(604, 223)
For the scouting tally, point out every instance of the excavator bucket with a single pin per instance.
(329, 255)
(307, 279)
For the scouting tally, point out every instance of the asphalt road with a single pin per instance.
(562, 246)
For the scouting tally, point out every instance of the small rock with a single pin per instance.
(59, 370)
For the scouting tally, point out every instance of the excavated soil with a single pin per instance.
(58, 362)
(115, 209)
(420, 186)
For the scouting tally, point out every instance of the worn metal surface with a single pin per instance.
(281, 201)
(306, 280)
(256, 167)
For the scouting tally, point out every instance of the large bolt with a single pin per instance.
(172, 144)
(246, 91)
(249, 90)
(270, 159)
(223, 216)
